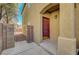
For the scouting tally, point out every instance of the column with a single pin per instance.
(66, 39)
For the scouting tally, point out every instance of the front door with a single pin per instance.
(45, 28)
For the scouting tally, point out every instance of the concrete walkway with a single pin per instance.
(24, 48)
(50, 46)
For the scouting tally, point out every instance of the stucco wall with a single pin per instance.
(34, 18)
(67, 20)
(77, 24)
(66, 39)
(54, 26)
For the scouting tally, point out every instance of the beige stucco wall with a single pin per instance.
(34, 18)
(77, 24)
(66, 39)
(54, 26)
(67, 20)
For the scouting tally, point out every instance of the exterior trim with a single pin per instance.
(23, 8)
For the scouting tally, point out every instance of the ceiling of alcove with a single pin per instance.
(50, 8)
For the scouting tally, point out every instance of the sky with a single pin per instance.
(20, 6)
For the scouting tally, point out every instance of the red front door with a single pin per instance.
(46, 28)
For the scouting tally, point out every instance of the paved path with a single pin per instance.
(24, 48)
(50, 46)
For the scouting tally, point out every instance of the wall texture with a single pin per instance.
(67, 18)
(77, 24)
(54, 26)
(66, 39)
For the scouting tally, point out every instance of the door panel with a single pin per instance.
(46, 28)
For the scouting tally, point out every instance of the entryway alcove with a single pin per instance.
(50, 28)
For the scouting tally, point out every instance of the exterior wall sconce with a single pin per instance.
(55, 16)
